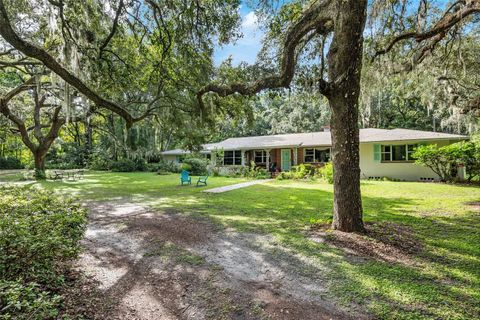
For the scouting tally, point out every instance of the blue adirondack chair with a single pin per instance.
(185, 177)
(202, 180)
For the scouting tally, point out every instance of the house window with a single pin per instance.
(316, 155)
(180, 158)
(398, 153)
(231, 158)
(260, 156)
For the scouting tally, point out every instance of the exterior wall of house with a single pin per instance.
(170, 158)
(300, 155)
(409, 171)
(369, 166)
(276, 156)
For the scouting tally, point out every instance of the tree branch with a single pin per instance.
(23, 87)
(19, 63)
(7, 32)
(317, 18)
(114, 29)
(439, 30)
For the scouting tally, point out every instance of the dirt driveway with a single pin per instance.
(165, 265)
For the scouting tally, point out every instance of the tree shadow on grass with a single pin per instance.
(444, 285)
(158, 275)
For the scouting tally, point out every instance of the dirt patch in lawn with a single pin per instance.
(81, 298)
(475, 205)
(165, 265)
(387, 242)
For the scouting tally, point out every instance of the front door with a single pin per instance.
(286, 160)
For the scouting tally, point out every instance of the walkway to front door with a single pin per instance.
(236, 186)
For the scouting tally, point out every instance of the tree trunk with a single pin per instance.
(347, 203)
(344, 70)
(39, 157)
(88, 138)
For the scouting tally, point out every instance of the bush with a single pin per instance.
(123, 165)
(443, 161)
(66, 155)
(167, 166)
(63, 166)
(40, 233)
(303, 171)
(252, 172)
(326, 172)
(198, 166)
(99, 162)
(285, 175)
(19, 301)
(468, 154)
(10, 163)
(186, 167)
(140, 164)
(128, 165)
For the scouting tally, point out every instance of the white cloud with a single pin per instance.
(250, 21)
(247, 47)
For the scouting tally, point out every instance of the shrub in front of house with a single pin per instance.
(198, 166)
(303, 170)
(444, 161)
(40, 236)
(285, 175)
(186, 167)
(253, 172)
(163, 166)
(326, 172)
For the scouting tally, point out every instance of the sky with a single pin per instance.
(247, 47)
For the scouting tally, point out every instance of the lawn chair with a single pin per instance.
(80, 174)
(57, 175)
(185, 177)
(202, 180)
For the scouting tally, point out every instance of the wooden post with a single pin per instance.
(243, 158)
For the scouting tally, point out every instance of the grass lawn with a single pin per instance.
(444, 281)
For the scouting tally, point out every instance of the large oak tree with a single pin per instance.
(344, 22)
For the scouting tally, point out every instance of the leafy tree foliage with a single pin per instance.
(444, 161)
(134, 59)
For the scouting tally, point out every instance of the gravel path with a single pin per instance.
(165, 265)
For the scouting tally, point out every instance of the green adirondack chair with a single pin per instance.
(185, 177)
(202, 180)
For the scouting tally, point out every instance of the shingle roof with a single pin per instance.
(323, 139)
(206, 149)
(377, 135)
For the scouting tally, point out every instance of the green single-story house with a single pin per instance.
(383, 152)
